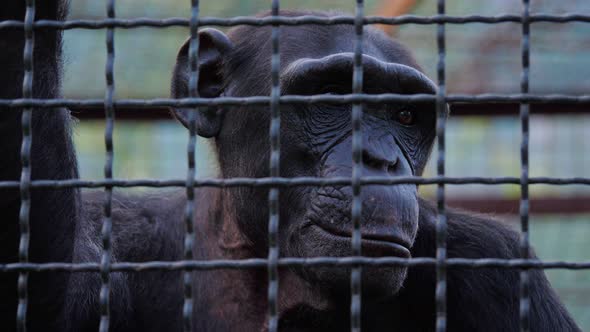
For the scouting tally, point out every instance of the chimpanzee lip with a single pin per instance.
(390, 241)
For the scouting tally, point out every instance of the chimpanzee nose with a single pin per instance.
(379, 161)
(381, 153)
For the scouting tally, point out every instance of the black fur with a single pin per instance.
(231, 223)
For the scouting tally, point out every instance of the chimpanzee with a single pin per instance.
(231, 223)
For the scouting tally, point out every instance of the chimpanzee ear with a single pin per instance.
(214, 45)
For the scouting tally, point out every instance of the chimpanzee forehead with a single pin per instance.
(321, 41)
(250, 58)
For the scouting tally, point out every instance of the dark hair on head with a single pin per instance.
(254, 51)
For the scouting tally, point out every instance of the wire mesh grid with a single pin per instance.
(275, 182)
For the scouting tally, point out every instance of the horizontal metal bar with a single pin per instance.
(300, 20)
(297, 262)
(299, 99)
(293, 182)
(457, 110)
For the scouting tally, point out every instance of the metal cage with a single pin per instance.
(275, 182)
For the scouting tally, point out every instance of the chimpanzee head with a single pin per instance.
(316, 141)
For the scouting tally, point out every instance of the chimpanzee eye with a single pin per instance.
(405, 117)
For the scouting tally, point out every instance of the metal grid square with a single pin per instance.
(275, 182)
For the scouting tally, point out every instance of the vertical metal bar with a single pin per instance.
(107, 224)
(273, 195)
(524, 169)
(441, 224)
(25, 177)
(357, 162)
(189, 236)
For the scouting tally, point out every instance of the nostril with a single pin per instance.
(371, 162)
(392, 166)
(383, 164)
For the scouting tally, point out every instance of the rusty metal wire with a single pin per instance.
(275, 182)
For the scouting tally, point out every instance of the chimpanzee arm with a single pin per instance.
(53, 212)
(58, 231)
(478, 299)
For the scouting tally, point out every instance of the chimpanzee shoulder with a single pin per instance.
(483, 299)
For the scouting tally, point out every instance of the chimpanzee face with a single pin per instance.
(316, 141)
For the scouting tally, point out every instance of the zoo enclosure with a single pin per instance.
(275, 182)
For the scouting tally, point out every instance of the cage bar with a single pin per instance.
(145, 22)
(107, 223)
(274, 182)
(294, 182)
(357, 164)
(524, 303)
(441, 222)
(189, 236)
(25, 178)
(301, 100)
(274, 164)
(257, 263)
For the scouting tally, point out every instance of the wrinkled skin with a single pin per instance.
(231, 223)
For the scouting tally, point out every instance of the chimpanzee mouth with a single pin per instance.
(373, 245)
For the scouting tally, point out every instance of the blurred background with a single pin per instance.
(482, 140)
